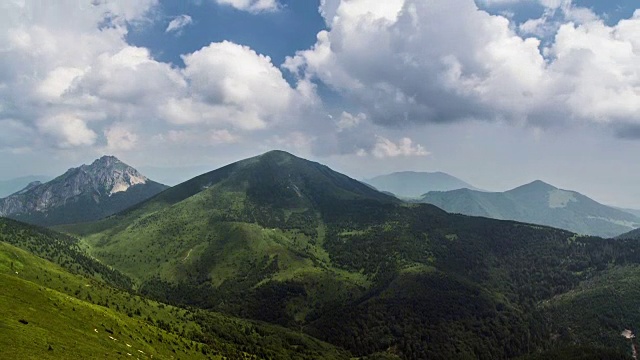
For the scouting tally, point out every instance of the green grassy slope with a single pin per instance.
(242, 226)
(60, 249)
(65, 310)
(283, 240)
(43, 306)
(39, 322)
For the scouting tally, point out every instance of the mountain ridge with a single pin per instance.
(413, 184)
(540, 203)
(11, 186)
(287, 241)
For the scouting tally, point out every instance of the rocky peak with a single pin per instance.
(112, 175)
(105, 177)
(107, 160)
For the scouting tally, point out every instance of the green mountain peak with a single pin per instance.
(280, 239)
(536, 185)
(276, 178)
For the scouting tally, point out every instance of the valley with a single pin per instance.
(299, 253)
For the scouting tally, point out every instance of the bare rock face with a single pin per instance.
(97, 190)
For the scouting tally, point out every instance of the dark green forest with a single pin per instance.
(282, 241)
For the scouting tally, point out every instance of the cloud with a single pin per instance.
(70, 78)
(178, 23)
(120, 138)
(199, 138)
(69, 75)
(252, 6)
(410, 62)
(348, 120)
(231, 84)
(385, 148)
(295, 141)
(14, 134)
(49, 54)
(556, 13)
(67, 130)
(223, 137)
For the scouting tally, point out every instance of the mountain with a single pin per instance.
(8, 187)
(60, 249)
(630, 211)
(633, 234)
(409, 184)
(86, 193)
(49, 311)
(286, 241)
(538, 203)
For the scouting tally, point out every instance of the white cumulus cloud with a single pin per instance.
(231, 84)
(69, 74)
(67, 130)
(434, 61)
(385, 148)
(253, 6)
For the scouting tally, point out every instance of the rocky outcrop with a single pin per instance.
(104, 185)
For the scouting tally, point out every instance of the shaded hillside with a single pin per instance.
(538, 203)
(410, 184)
(60, 249)
(86, 193)
(633, 234)
(284, 240)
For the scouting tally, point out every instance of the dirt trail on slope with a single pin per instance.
(188, 254)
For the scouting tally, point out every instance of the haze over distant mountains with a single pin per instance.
(10, 186)
(538, 203)
(85, 193)
(411, 184)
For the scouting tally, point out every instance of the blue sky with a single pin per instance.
(277, 34)
(496, 92)
(281, 33)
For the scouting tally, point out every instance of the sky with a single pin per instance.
(496, 92)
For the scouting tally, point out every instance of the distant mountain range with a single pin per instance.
(411, 184)
(8, 187)
(86, 193)
(290, 242)
(635, 212)
(538, 203)
(287, 241)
